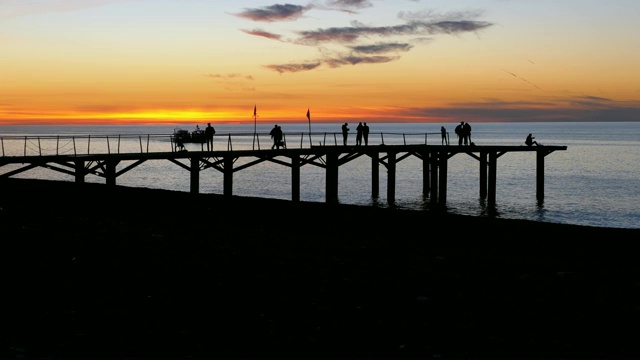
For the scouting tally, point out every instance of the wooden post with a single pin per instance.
(483, 175)
(375, 174)
(426, 169)
(434, 164)
(493, 162)
(111, 171)
(295, 178)
(79, 171)
(442, 172)
(540, 175)
(391, 178)
(332, 177)
(195, 175)
(228, 176)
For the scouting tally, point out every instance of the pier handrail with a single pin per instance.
(113, 143)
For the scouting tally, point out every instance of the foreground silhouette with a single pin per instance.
(87, 281)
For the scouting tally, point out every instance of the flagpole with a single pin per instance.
(255, 116)
(309, 117)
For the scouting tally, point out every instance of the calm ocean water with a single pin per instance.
(595, 182)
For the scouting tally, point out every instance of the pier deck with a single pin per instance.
(329, 157)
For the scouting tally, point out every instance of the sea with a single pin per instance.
(595, 182)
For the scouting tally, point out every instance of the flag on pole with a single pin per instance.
(255, 126)
(308, 115)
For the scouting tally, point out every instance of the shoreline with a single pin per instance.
(134, 272)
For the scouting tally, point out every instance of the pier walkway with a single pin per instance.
(114, 159)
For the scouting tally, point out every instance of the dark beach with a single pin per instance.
(92, 271)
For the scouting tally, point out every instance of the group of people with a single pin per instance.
(362, 133)
(276, 135)
(463, 130)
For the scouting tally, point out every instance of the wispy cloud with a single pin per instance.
(381, 48)
(265, 34)
(286, 12)
(292, 68)
(356, 38)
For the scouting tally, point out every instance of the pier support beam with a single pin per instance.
(375, 175)
(493, 164)
(332, 177)
(228, 176)
(443, 162)
(426, 170)
(391, 178)
(79, 171)
(540, 175)
(483, 175)
(434, 160)
(194, 187)
(295, 178)
(110, 171)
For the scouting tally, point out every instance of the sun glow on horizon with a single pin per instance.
(175, 61)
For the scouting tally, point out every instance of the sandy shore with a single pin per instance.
(90, 271)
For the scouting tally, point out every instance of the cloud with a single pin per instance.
(422, 26)
(357, 4)
(265, 34)
(230, 76)
(381, 48)
(286, 12)
(293, 68)
(579, 109)
(353, 33)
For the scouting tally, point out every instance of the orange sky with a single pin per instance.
(143, 61)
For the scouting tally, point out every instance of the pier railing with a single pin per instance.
(73, 145)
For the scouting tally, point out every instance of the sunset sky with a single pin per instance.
(173, 61)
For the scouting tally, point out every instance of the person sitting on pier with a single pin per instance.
(529, 141)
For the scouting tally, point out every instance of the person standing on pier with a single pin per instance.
(209, 131)
(365, 133)
(276, 135)
(359, 130)
(345, 133)
(460, 132)
(443, 131)
(466, 128)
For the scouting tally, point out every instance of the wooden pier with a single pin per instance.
(434, 162)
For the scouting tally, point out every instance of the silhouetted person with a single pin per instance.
(365, 133)
(466, 129)
(359, 130)
(276, 135)
(460, 132)
(345, 134)
(209, 131)
(443, 131)
(529, 141)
